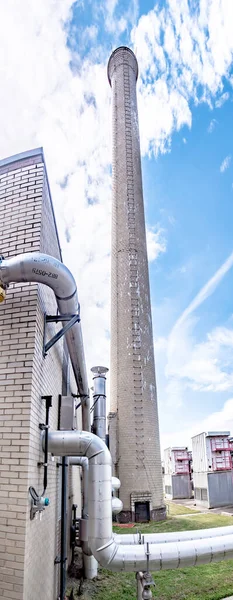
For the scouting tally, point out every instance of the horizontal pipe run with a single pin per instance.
(164, 556)
(41, 268)
(176, 536)
(105, 548)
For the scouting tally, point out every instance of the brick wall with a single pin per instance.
(28, 548)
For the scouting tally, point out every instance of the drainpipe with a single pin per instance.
(64, 469)
(64, 487)
(41, 268)
(99, 399)
(107, 551)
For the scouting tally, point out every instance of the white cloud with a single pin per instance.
(205, 366)
(221, 420)
(156, 243)
(223, 98)
(225, 164)
(206, 290)
(117, 22)
(68, 111)
(191, 64)
(212, 125)
(186, 363)
(44, 102)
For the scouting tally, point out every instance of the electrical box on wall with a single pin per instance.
(67, 413)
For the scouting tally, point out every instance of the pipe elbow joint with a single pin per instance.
(105, 554)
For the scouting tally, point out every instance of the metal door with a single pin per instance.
(142, 512)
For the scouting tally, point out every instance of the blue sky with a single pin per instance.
(55, 94)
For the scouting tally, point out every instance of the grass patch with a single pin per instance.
(179, 509)
(206, 582)
(199, 521)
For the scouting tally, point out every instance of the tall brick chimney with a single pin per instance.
(133, 419)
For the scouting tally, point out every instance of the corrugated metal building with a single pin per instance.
(177, 476)
(212, 469)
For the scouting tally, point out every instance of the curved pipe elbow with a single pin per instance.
(104, 547)
(164, 556)
(41, 268)
(78, 443)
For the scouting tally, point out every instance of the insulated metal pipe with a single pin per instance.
(117, 505)
(41, 268)
(176, 536)
(82, 461)
(63, 565)
(116, 484)
(89, 562)
(99, 400)
(107, 551)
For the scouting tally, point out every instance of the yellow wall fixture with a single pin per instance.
(2, 293)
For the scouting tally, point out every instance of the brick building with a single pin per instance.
(133, 419)
(28, 547)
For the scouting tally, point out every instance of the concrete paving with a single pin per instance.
(191, 503)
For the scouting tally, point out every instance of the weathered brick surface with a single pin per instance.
(27, 548)
(133, 386)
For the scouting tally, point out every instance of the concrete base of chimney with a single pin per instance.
(156, 514)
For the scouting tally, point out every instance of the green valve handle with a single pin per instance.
(44, 501)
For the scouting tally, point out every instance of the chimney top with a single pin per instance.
(114, 60)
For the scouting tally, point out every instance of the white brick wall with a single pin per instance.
(27, 548)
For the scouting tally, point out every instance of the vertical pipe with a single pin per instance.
(99, 399)
(74, 508)
(48, 404)
(63, 529)
(64, 465)
(89, 562)
(139, 577)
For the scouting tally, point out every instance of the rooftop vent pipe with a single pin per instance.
(41, 268)
(104, 546)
